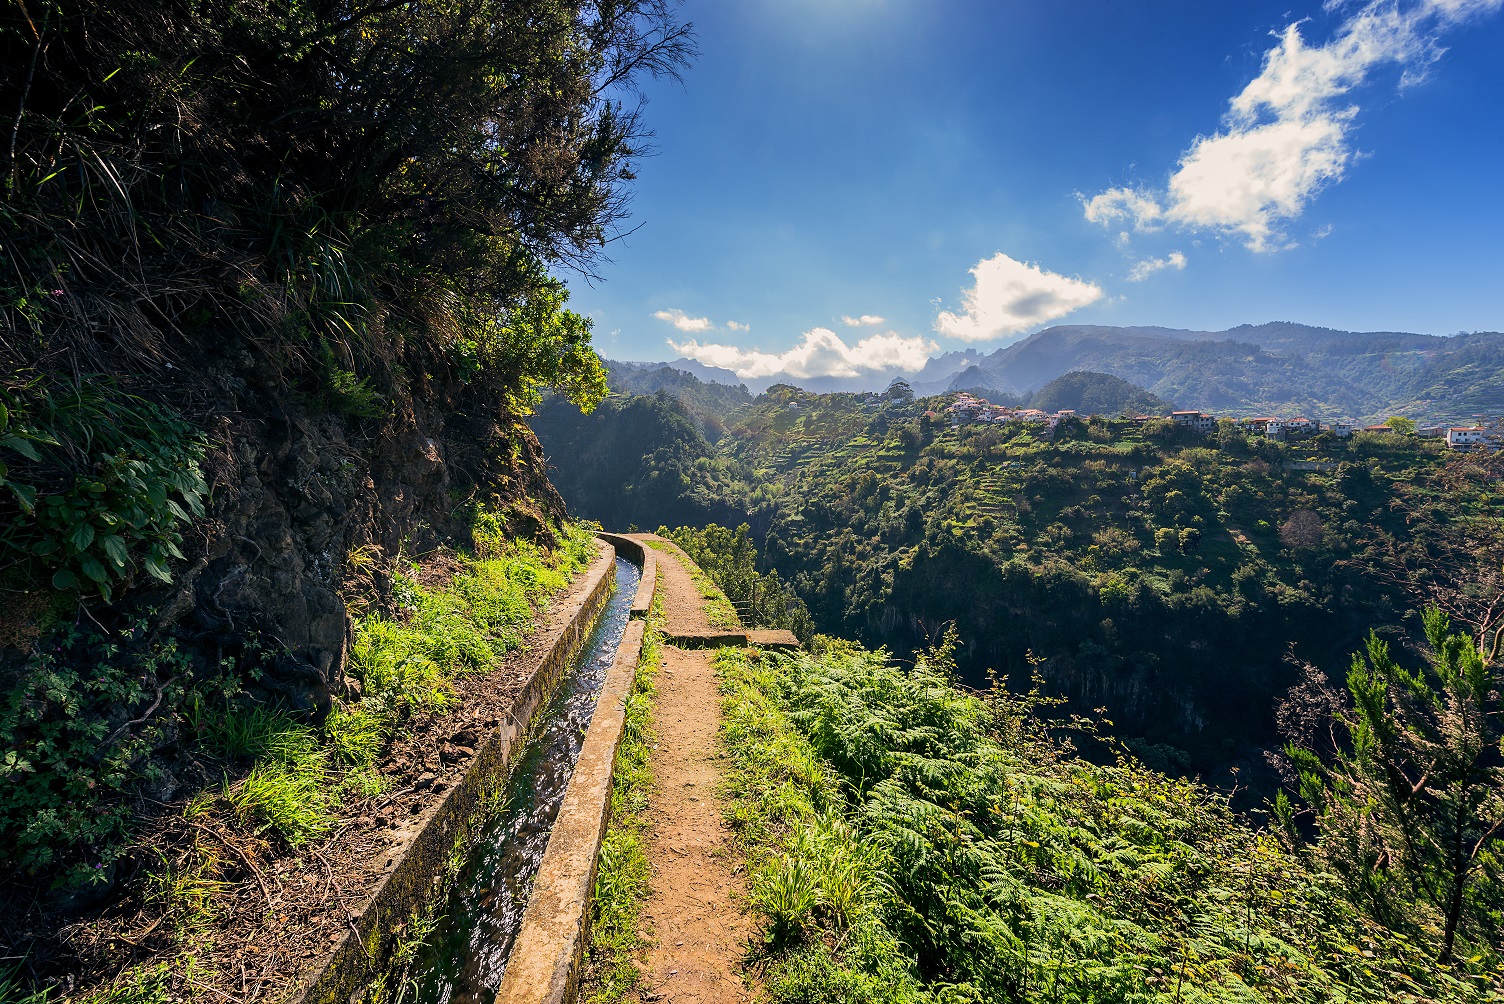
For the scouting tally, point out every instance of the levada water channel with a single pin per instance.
(466, 954)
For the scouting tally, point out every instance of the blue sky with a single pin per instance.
(959, 174)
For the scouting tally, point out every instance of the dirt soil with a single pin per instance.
(695, 924)
(278, 913)
(683, 610)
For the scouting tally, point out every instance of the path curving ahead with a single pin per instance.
(683, 609)
(696, 929)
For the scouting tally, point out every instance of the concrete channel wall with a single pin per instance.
(430, 842)
(643, 557)
(544, 967)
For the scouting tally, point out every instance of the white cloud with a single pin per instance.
(738, 326)
(683, 321)
(1149, 266)
(1286, 136)
(820, 352)
(866, 320)
(1012, 296)
(1123, 204)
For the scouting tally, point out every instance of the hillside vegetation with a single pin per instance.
(1157, 574)
(910, 841)
(281, 284)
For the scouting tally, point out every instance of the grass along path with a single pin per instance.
(702, 607)
(623, 872)
(693, 926)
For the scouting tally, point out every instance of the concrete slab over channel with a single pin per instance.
(775, 640)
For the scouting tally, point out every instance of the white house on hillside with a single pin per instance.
(1195, 421)
(1468, 438)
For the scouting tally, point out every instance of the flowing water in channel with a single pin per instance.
(467, 952)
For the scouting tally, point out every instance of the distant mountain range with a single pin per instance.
(1277, 368)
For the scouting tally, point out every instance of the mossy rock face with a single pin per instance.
(526, 521)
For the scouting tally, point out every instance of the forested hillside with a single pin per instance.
(710, 403)
(637, 461)
(1176, 581)
(1089, 393)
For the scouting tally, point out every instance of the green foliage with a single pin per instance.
(409, 662)
(1410, 802)
(416, 247)
(186, 890)
(988, 861)
(541, 343)
(356, 736)
(623, 870)
(345, 392)
(1399, 423)
(97, 487)
(730, 559)
(74, 742)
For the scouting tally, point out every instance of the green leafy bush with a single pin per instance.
(73, 740)
(99, 484)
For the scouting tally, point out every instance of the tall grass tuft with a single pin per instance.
(289, 798)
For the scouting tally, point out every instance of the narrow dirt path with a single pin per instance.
(695, 927)
(682, 606)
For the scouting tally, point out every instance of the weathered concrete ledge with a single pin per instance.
(776, 640)
(644, 558)
(544, 967)
(423, 848)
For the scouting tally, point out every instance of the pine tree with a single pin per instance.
(1410, 805)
